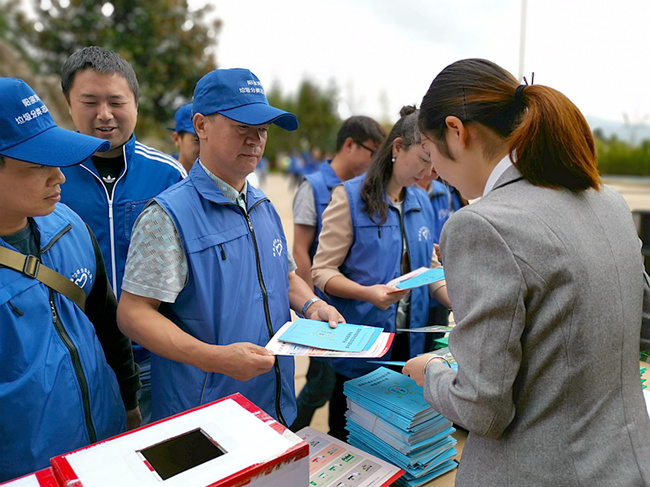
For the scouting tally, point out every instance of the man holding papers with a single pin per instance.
(208, 278)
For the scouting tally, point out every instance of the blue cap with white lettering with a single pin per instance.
(238, 94)
(28, 131)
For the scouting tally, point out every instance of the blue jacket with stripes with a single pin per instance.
(147, 172)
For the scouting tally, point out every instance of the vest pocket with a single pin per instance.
(218, 239)
(132, 211)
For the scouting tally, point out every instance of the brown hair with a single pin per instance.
(548, 138)
(373, 191)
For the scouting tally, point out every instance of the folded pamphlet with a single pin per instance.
(419, 277)
(379, 348)
(346, 337)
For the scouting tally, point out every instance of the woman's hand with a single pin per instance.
(414, 368)
(383, 296)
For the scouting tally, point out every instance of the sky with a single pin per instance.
(383, 54)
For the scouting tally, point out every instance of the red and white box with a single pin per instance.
(42, 478)
(227, 443)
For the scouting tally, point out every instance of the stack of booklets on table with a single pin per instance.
(388, 417)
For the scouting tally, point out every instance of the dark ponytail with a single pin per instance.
(547, 136)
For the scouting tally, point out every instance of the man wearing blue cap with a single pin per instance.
(185, 137)
(66, 371)
(209, 278)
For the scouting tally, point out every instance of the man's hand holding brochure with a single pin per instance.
(316, 338)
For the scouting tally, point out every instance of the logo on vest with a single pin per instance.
(277, 247)
(424, 233)
(81, 277)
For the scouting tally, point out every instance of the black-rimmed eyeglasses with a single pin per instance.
(372, 151)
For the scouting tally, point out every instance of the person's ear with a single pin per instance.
(397, 145)
(456, 130)
(348, 144)
(200, 121)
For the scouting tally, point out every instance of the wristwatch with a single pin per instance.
(308, 304)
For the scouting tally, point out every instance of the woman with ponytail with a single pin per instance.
(376, 228)
(547, 283)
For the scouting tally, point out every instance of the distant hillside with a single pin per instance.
(622, 132)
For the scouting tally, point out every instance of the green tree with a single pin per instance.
(169, 46)
(317, 115)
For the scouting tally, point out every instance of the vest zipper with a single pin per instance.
(223, 252)
(267, 315)
(16, 310)
(78, 370)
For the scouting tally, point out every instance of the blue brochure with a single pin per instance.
(345, 337)
(418, 277)
(396, 363)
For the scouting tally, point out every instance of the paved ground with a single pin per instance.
(280, 190)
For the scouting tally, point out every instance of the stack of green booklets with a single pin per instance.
(388, 417)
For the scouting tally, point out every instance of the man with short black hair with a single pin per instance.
(356, 143)
(209, 278)
(66, 371)
(110, 190)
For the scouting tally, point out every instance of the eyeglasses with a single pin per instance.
(372, 152)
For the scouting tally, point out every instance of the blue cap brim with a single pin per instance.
(261, 114)
(57, 147)
(184, 129)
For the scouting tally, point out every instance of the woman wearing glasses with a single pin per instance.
(376, 228)
(549, 323)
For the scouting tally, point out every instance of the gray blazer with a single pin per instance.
(549, 297)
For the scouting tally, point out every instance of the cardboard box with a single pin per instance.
(227, 443)
(42, 478)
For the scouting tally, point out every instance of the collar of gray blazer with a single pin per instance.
(509, 176)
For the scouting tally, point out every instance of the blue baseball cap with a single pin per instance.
(238, 94)
(28, 131)
(183, 120)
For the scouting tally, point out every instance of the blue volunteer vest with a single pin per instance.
(237, 291)
(57, 393)
(375, 258)
(322, 182)
(441, 203)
